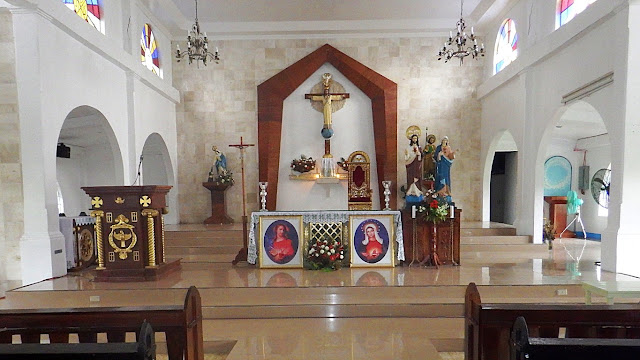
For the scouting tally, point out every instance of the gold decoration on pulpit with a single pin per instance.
(85, 245)
(145, 201)
(98, 214)
(151, 234)
(96, 202)
(359, 188)
(119, 200)
(121, 233)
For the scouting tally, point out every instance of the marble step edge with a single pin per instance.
(317, 295)
(334, 311)
(496, 239)
(504, 247)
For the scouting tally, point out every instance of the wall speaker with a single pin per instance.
(63, 151)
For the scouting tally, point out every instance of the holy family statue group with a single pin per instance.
(431, 163)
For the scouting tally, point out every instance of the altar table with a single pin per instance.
(320, 217)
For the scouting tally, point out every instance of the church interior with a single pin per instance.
(330, 176)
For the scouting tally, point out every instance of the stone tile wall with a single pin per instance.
(219, 105)
(11, 199)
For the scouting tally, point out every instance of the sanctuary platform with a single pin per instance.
(353, 313)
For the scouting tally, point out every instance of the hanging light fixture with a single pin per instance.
(456, 46)
(197, 46)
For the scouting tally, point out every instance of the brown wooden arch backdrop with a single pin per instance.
(382, 92)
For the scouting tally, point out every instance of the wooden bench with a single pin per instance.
(182, 324)
(488, 326)
(524, 347)
(143, 349)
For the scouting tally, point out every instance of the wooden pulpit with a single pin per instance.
(130, 232)
(558, 214)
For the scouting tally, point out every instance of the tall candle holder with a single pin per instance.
(263, 195)
(387, 192)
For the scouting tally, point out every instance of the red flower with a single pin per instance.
(434, 204)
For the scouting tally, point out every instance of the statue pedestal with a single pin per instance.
(218, 207)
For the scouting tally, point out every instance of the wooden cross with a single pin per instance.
(242, 254)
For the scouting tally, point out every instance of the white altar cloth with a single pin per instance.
(319, 217)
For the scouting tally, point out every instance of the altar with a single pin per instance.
(314, 224)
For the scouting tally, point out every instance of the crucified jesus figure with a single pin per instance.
(326, 97)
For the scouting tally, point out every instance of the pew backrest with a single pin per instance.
(488, 326)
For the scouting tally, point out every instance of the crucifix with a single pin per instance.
(242, 254)
(327, 98)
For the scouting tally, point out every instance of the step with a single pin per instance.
(487, 231)
(334, 311)
(177, 251)
(504, 239)
(206, 258)
(201, 241)
(514, 250)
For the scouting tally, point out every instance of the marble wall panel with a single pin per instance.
(219, 106)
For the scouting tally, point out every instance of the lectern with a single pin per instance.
(130, 232)
(558, 214)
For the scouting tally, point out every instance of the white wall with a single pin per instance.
(548, 67)
(301, 126)
(63, 63)
(598, 157)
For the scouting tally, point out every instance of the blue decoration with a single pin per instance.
(327, 133)
(557, 176)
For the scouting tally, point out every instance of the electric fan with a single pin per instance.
(573, 207)
(600, 183)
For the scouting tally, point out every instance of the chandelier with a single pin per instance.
(197, 45)
(456, 46)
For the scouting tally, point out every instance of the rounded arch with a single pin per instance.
(502, 141)
(506, 48)
(157, 169)
(578, 132)
(88, 154)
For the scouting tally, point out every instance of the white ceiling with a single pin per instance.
(278, 17)
(579, 121)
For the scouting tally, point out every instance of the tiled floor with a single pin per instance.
(265, 336)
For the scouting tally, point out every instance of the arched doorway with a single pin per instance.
(504, 179)
(87, 155)
(580, 136)
(157, 170)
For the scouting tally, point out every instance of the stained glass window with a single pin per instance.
(89, 11)
(149, 50)
(506, 46)
(568, 9)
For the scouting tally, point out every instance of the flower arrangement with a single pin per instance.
(224, 178)
(326, 254)
(549, 232)
(303, 165)
(436, 209)
(344, 165)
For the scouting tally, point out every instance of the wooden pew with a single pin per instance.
(182, 324)
(488, 326)
(143, 349)
(524, 347)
